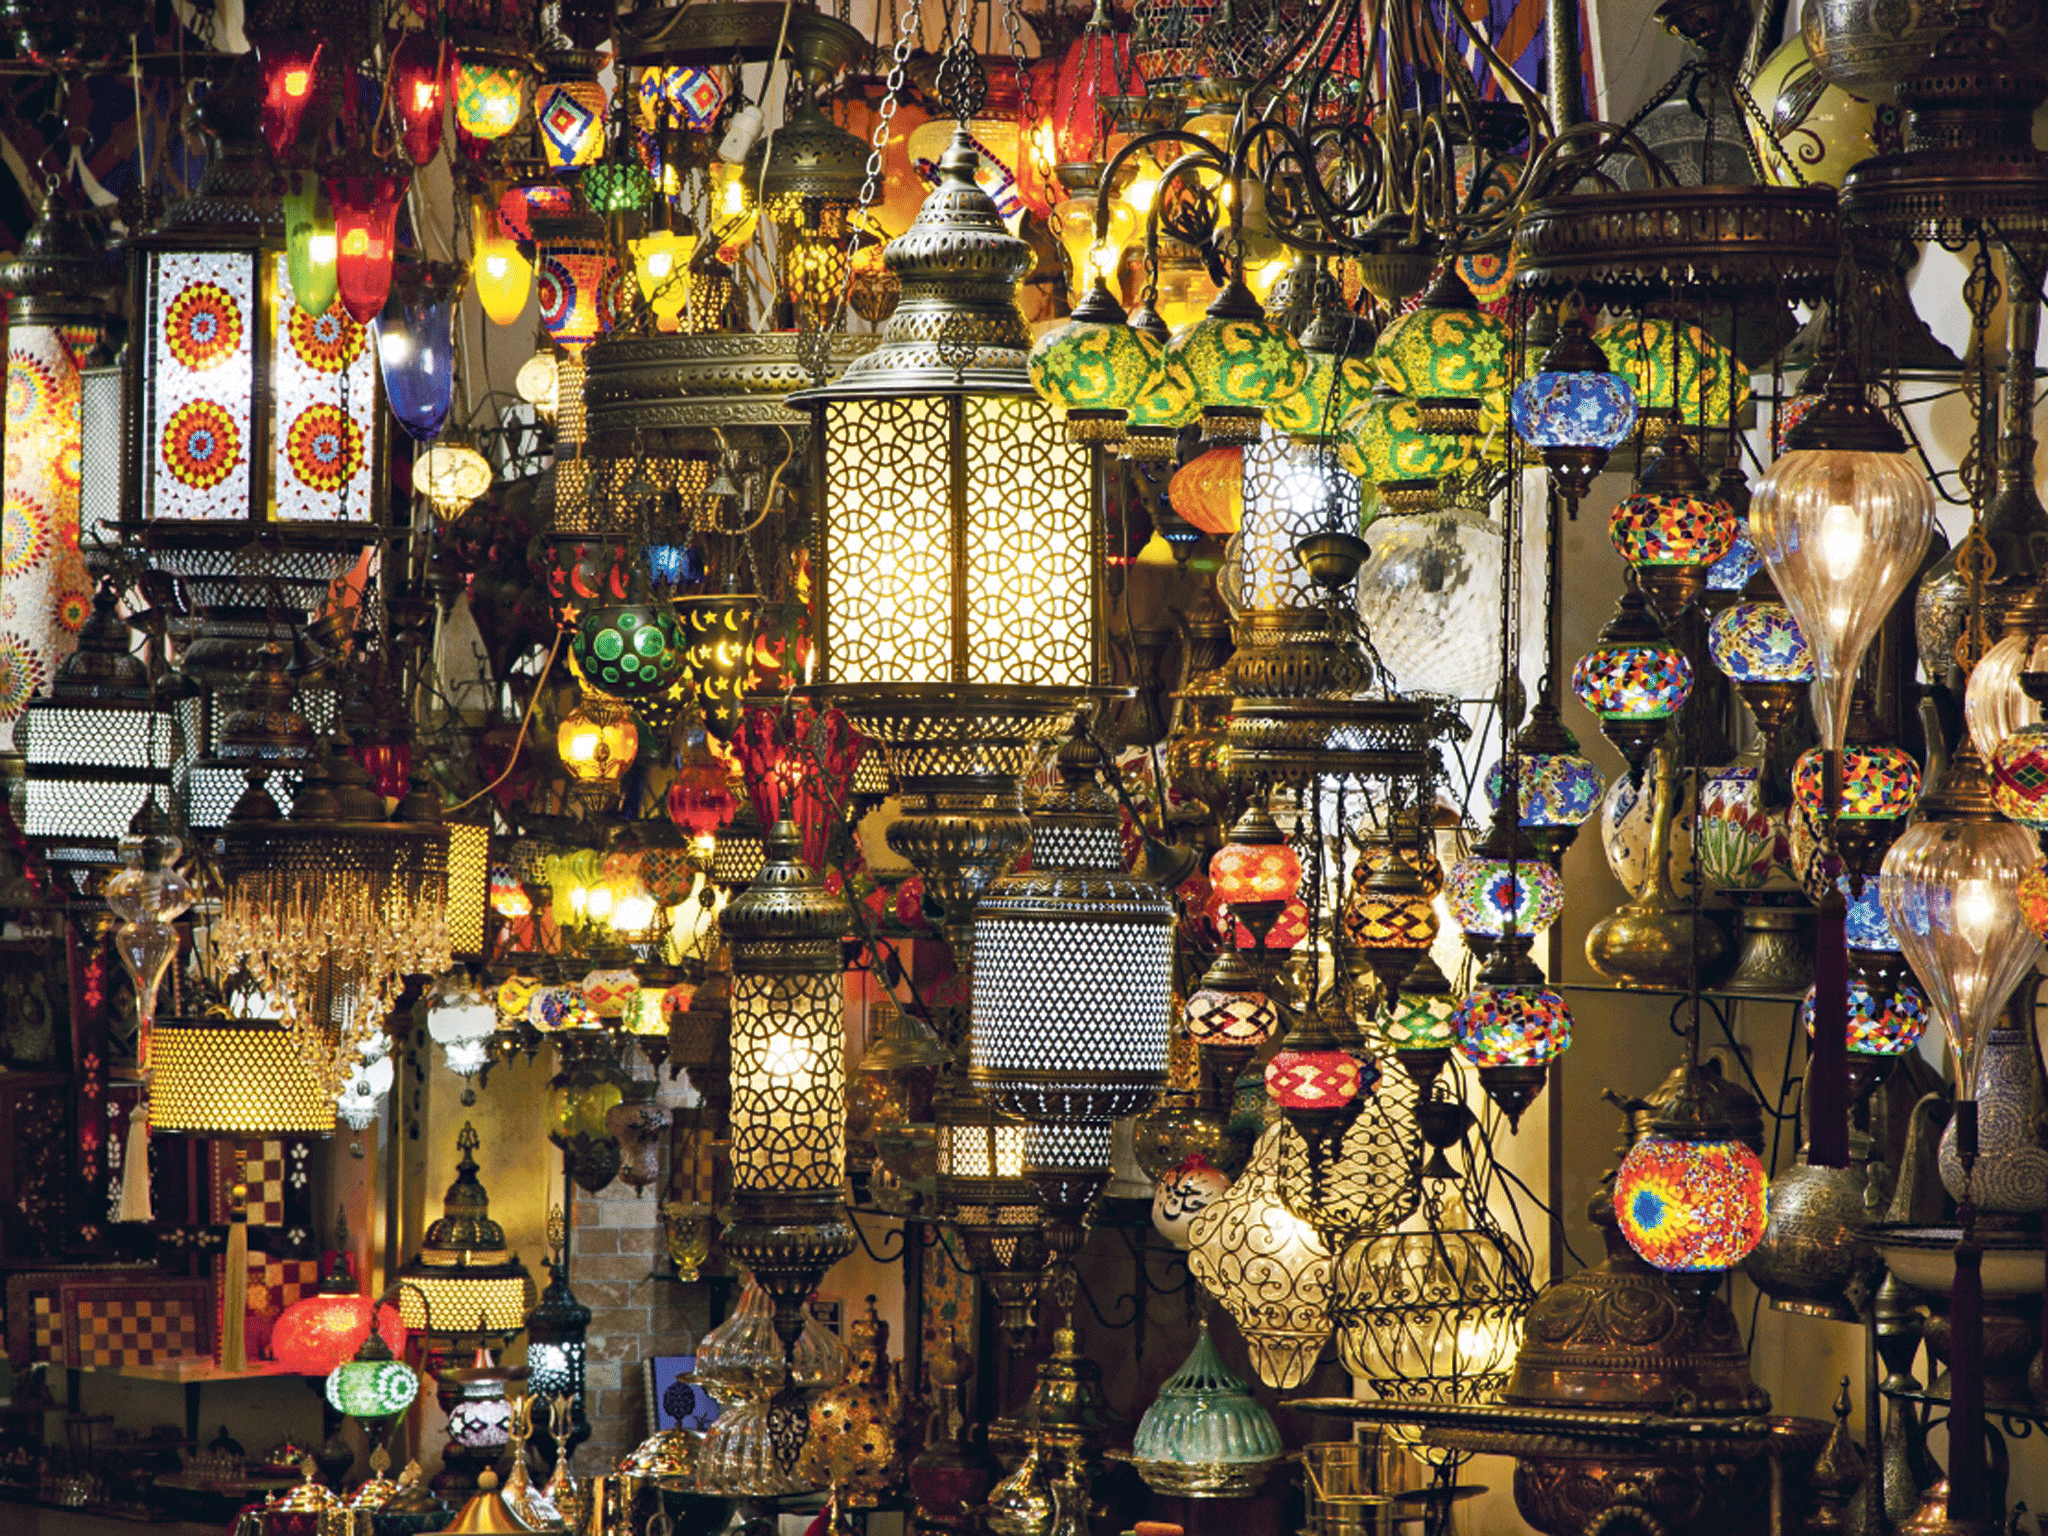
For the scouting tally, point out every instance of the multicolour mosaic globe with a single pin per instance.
(691, 93)
(1627, 680)
(2033, 899)
(570, 117)
(1740, 845)
(490, 97)
(1318, 1079)
(372, 1389)
(1288, 930)
(1573, 410)
(1671, 530)
(1420, 1021)
(1643, 350)
(1879, 783)
(1440, 353)
(1868, 927)
(1090, 365)
(1239, 365)
(1489, 895)
(1732, 571)
(1325, 402)
(1386, 444)
(1557, 789)
(1881, 1023)
(2019, 776)
(1759, 643)
(1512, 1026)
(1229, 1016)
(1691, 1205)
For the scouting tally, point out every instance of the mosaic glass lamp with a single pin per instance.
(1242, 365)
(1691, 1195)
(1389, 449)
(1887, 1015)
(1575, 409)
(1511, 1026)
(1093, 367)
(1671, 530)
(1504, 885)
(1448, 355)
(491, 87)
(1759, 646)
(1558, 785)
(1420, 1026)
(1679, 373)
(1633, 678)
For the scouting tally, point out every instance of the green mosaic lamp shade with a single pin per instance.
(1094, 367)
(1386, 446)
(1672, 367)
(1165, 402)
(1336, 387)
(1242, 365)
(366, 1390)
(1449, 356)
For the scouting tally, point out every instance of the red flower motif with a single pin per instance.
(325, 447)
(203, 326)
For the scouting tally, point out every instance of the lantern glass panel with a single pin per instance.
(788, 1081)
(197, 423)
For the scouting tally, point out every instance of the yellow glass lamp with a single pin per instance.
(490, 92)
(539, 384)
(597, 741)
(451, 474)
(1093, 255)
(1167, 401)
(1447, 355)
(1242, 365)
(504, 277)
(1093, 367)
(661, 264)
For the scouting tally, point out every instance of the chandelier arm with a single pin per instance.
(1215, 158)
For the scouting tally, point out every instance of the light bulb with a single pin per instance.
(296, 81)
(496, 265)
(393, 349)
(598, 902)
(1977, 910)
(660, 264)
(634, 914)
(785, 1057)
(320, 250)
(1841, 540)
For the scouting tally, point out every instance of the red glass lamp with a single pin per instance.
(319, 1332)
(1256, 874)
(419, 80)
(365, 198)
(291, 68)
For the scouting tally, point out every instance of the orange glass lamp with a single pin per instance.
(1256, 874)
(597, 741)
(319, 1332)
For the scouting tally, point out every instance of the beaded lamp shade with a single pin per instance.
(464, 1274)
(227, 1077)
(1073, 985)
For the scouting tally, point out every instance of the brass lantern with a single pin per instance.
(957, 544)
(464, 1278)
(788, 1109)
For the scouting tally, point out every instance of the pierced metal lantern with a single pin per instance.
(234, 1077)
(985, 1196)
(465, 1279)
(788, 1073)
(555, 1339)
(1073, 991)
(957, 547)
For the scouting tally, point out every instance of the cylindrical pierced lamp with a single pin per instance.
(464, 1279)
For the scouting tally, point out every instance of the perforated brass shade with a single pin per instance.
(464, 1272)
(233, 1078)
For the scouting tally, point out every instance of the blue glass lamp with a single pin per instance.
(416, 346)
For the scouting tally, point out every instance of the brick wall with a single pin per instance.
(633, 1316)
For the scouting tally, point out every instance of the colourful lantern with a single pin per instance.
(1230, 1016)
(1512, 1026)
(1096, 64)
(314, 1335)
(365, 200)
(690, 95)
(504, 277)
(1316, 1079)
(1388, 448)
(1633, 681)
(419, 77)
(309, 243)
(1574, 410)
(2033, 900)
(1732, 571)
(1671, 530)
(1759, 642)
(373, 1385)
(1093, 367)
(1644, 351)
(490, 92)
(1287, 931)
(1242, 365)
(1390, 905)
(1488, 895)
(661, 265)
(1691, 1205)
(1255, 875)
(291, 66)
(1868, 926)
(1208, 491)
(1886, 1020)
(1424, 1015)
(1335, 390)
(700, 797)
(596, 744)
(1447, 355)
(509, 897)
(629, 650)
(1879, 782)
(574, 282)
(2019, 776)
(1165, 402)
(1557, 789)
(569, 112)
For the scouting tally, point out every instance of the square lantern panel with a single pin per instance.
(90, 767)
(958, 544)
(216, 448)
(102, 466)
(788, 1081)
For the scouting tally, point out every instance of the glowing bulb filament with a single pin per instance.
(1841, 541)
(296, 81)
(1976, 911)
(785, 1056)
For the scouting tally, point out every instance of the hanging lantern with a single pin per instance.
(597, 741)
(808, 175)
(1390, 915)
(1390, 450)
(1511, 1026)
(1690, 1195)
(490, 91)
(416, 346)
(661, 265)
(1208, 491)
(1504, 885)
(629, 650)
(1241, 363)
(575, 274)
(365, 198)
(1696, 394)
(1633, 678)
(1887, 1016)
(983, 1193)
(419, 80)
(1337, 386)
(291, 70)
(374, 1385)
(1092, 368)
(1574, 410)
(788, 1075)
(1760, 648)
(1205, 1436)
(309, 243)
(504, 277)
(1559, 787)
(1671, 530)
(464, 1280)
(580, 1096)
(314, 1335)
(1842, 521)
(1255, 874)
(234, 1077)
(1447, 355)
(1167, 400)
(1267, 1267)
(569, 110)
(1072, 989)
(1950, 887)
(1879, 783)
(452, 475)
(1996, 701)
(1420, 1026)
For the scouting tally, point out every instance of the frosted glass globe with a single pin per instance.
(1430, 598)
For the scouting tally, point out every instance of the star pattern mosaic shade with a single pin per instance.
(1887, 1020)
(1557, 789)
(1691, 1205)
(1573, 410)
(1879, 783)
(1759, 642)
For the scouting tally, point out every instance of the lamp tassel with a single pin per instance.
(135, 1203)
(1966, 1341)
(234, 1298)
(1827, 1064)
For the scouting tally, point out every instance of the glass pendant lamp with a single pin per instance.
(1842, 521)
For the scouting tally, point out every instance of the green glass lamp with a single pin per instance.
(1449, 356)
(1387, 446)
(1094, 367)
(1242, 364)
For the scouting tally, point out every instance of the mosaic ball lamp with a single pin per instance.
(1167, 401)
(490, 93)
(1868, 927)
(1335, 388)
(1688, 1205)
(1386, 446)
(1879, 782)
(1255, 874)
(1419, 1027)
(1887, 1020)
(1514, 1026)
(1670, 530)
(1759, 642)
(1574, 410)
(569, 111)
(2019, 776)
(1093, 367)
(1287, 931)
(1557, 789)
(1229, 1015)
(1732, 571)
(1487, 894)
(631, 650)
(1633, 680)
(1446, 354)
(1241, 363)
(373, 1385)
(1644, 351)
(316, 1334)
